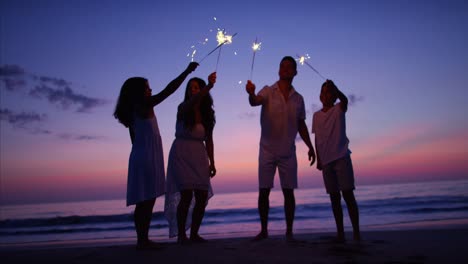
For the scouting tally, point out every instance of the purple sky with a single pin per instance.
(63, 62)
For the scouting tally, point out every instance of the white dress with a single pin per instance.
(146, 174)
(188, 168)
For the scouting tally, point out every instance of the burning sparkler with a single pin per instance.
(302, 60)
(222, 39)
(256, 46)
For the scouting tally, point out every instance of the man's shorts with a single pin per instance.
(287, 168)
(338, 175)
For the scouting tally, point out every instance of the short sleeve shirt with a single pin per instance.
(331, 141)
(279, 119)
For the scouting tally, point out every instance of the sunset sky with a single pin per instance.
(403, 64)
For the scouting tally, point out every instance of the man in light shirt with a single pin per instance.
(282, 117)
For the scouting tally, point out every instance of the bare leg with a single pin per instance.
(289, 210)
(263, 209)
(142, 219)
(338, 214)
(197, 216)
(353, 213)
(182, 212)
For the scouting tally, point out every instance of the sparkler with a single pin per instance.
(222, 39)
(302, 60)
(255, 46)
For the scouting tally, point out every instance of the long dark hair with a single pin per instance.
(131, 94)
(206, 109)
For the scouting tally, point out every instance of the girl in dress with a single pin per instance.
(146, 179)
(191, 161)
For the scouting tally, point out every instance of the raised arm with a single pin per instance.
(254, 99)
(343, 99)
(173, 85)
(188, 106)
(304, 133)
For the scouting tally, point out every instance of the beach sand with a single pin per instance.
(443, 245)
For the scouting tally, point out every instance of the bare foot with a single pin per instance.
(182, 240)
(357, 237)
(197, 239)
(290, 237)
(262, 235)
(148, 245)
(339, 239)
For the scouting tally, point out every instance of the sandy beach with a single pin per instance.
(430, 245)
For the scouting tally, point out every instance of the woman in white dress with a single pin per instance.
(146, 179)
(191, 161)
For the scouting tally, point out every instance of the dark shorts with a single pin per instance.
(338, 175)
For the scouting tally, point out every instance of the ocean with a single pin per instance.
(383, 206)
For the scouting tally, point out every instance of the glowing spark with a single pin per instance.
(302, 61)
(222, 39)
(255, 46)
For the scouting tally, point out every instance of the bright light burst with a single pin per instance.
(222, 38)
(302, 61)
(256, 46)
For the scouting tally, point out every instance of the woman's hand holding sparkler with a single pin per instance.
(191, 67)
(211, 80)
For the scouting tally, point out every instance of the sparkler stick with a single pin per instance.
(217, 60)
(255, 47)
(302, 60)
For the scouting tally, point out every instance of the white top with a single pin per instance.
(331, 141)
(146, 175)
(187, 169)
(279, 119)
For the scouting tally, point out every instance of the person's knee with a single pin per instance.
(348, 196)
(200, 198)
(288, 193)
(185, 196)
(335, 197)
(264, 193)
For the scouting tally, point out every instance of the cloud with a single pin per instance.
(353, 99)
(65, 96)
(13, 84)
(31, 122)
(56, 90)
(247, 115)
(11, 70)
(13, 77)
(67, 136)
(27, 121)
(54, 81)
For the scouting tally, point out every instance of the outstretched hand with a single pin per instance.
(311, 156)
(250, 87)
(212, 79)
(192, 66)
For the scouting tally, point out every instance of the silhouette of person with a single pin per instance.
(146, 174)
(191, 161)
(333, 156)
(282, 117)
